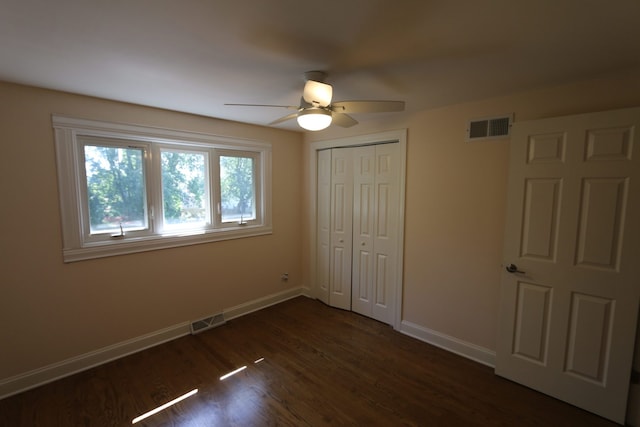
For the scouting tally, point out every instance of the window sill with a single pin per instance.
(151, 243)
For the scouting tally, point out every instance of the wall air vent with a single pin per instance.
(491, 127)
(207, 323)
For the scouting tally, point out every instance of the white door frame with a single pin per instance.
(395, 136)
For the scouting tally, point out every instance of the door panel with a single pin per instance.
(540, 218)
(382, 280)
(601, 222)
(362, 275)
(338, 286)
(568, 316)
(531, 337)
(589, 337)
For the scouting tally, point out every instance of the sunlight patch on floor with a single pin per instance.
(165, 406)
(189, 394)
(225, 376)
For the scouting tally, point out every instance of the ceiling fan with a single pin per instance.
(317, 112)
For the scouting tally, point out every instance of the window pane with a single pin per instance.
(237, 189)
(115, 188)
(184, 193)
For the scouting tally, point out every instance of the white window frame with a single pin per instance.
(70, 137)
(82, 193)
(158, 198)
(256, 179)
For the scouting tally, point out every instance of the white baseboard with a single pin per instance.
(22, 382)
(37, 377)
(449, 343)
(304, 291)
(260, 303)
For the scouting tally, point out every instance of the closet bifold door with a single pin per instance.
(376, 213)
(363, 224)
(323, 221)
(341, 228)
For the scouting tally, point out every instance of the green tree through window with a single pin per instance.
(237, 188)
(184, 187)
(115, 187)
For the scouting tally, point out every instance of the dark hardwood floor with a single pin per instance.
(321, 366)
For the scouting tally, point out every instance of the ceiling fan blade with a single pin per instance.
(290, 107)
(285, 118)
(367, 106)
(343, 120)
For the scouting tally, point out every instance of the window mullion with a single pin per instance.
(214, 181)
(257, 187)
(155, 190)
(82, 189)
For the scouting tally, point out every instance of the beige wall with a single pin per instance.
(51, 311)
(455, 201)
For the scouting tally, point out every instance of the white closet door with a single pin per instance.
(323, 231)
(363, 229)
(341, 228)
(385, 231)
(376, 210)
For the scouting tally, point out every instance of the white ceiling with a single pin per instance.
(196, 55)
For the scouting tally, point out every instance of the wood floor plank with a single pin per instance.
(318, 366)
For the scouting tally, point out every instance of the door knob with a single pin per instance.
(512, 268)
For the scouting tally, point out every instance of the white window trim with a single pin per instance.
(76, 247)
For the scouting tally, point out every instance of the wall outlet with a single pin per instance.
(284, 277)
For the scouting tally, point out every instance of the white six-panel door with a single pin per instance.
(569, 303)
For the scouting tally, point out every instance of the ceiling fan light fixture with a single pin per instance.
(314, 119)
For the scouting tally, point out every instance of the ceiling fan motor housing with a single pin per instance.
(317, 93)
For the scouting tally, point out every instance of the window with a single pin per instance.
(115, 186)
(126, 188)
(237, 188)
(185, 189)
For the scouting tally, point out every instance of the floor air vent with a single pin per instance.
(492, 127)
(207, 323)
